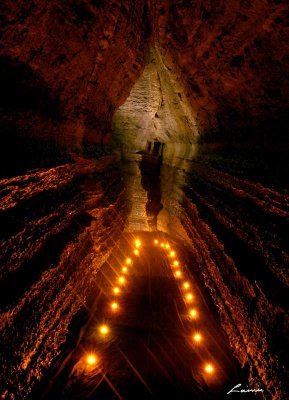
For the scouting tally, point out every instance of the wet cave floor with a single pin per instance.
(149, 328)
(149, 331)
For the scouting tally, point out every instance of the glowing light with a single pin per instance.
(91, 359)
(209, 368)
(137, 243)
(124, 269)
(104, 330)
(116, 290)
(186, 285)
(167, 246)
(189, 297)
(178, 274)
(128, 261)
(156, 241)
(193, 313)
(121, 280)
(197, 337)
(136, 252)
(162, 245)
(176, 263)
(114, 305)
(172, 253)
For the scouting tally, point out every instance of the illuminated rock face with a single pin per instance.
(232, 60)
(156, 110)
(59, 227)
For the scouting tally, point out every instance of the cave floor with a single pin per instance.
(71, 229)
(150, 350)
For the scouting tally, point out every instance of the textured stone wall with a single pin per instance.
(233, 60)
(238, 238)
(59, 226)
(65, 67)
(156, 109)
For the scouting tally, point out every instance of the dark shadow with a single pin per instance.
(150, 167)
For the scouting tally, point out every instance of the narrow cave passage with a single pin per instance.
(144, 199)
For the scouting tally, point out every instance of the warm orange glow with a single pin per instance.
(186, 285)
(193, 313)
(121, 280)
(189, 297)
(162, 245)
(114, 305)
(167, 246)
(104, 329)
(178, 274)
(136, 252)
(156, 241)
(197, 337)
(172, 253)
(176, 263)
(116, 290)
(91, 359)
(124, 269)
(209, 368)
(137, 243)
(128, 261)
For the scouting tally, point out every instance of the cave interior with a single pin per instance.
(145, 142)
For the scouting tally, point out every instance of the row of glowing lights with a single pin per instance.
(104, 330)
(193, 313)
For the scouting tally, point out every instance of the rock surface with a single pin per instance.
(217, 73)
(65, 67)
(61, 225)
(233, 61)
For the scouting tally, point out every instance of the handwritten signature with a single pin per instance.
(236, 390)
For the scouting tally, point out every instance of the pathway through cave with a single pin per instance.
(149, 331)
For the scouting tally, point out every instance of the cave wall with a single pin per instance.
(238, 238)
(65, 67)
(156, 109)
(233, 61)
(59, 225)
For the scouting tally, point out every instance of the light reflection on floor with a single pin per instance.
(159, 338)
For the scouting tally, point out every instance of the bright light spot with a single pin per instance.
(186, 285)
(103, 329)
(189, 297)
(193, 313)
(175, 263)
(197, 337)
(162, 245)
(156, 241)
(178, 274)
(209, 368)
(128, 261)
(114, 305)
(124, 269)
(116, 290)
(91, 359)
(121, 280)
(137, 243)
(136, 252)
(172, 253)
(167, 246)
